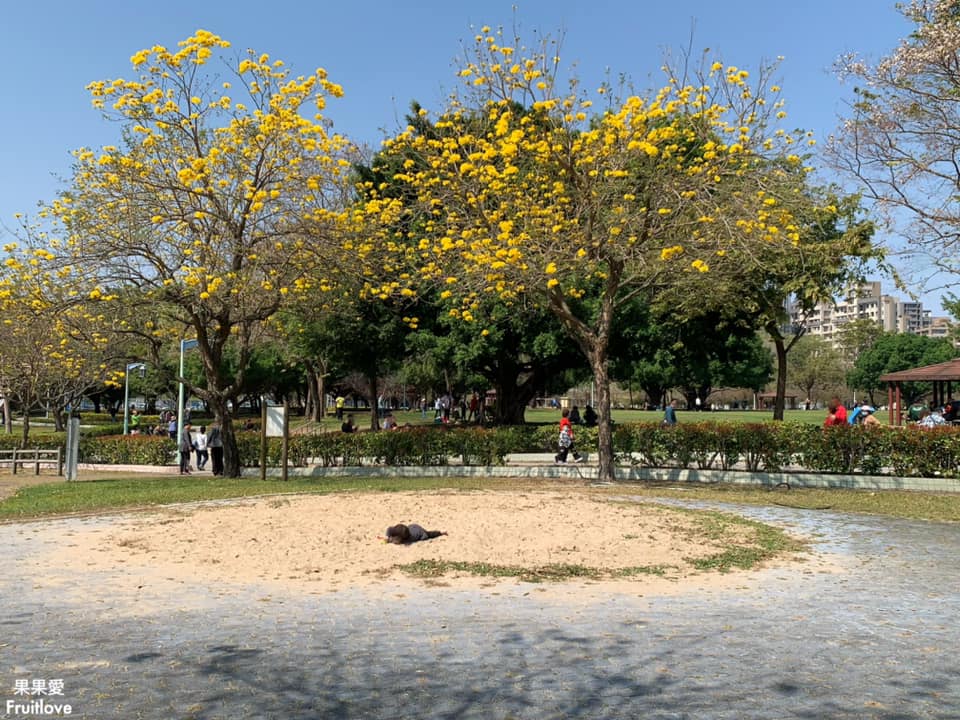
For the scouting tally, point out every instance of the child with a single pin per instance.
(404, 534)
(566, 439)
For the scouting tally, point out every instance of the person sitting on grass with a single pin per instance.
(869, 419)
(348, 426)
(405, 534)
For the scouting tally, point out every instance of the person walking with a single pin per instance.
(134, 421)
(186, 448)
(200, 444)
(215, 444)
(565, 441)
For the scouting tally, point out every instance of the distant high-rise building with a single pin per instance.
(869, 303)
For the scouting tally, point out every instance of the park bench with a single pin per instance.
(20, 458)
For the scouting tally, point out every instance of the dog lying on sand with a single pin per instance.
(405, 534)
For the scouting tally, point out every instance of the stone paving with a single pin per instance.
(876, 639)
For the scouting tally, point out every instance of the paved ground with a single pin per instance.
(877, 640)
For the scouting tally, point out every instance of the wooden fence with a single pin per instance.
(21, 458)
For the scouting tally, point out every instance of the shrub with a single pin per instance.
(768, 447)
(127, 450)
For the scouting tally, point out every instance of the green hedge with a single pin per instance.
(127, 450)
(766, 447)
(410, 446)
(44, 441)
(772, 447)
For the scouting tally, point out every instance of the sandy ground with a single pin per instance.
(330, 542)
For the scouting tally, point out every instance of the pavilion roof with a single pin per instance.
(949, 370)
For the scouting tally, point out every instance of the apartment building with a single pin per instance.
(892, 314)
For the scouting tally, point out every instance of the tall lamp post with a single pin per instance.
(184, 346)
(126, 393)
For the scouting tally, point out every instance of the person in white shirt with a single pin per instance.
(200, 444)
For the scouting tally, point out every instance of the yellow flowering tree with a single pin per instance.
(199, 206)
(54, 342)
(525, 191)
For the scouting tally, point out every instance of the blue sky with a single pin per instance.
(386, 54)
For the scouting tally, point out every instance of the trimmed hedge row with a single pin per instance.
(768, 447)
(774, 447)
(128, 450)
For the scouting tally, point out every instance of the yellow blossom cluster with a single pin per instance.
(520, 186)
(53, 340)
(216, 184)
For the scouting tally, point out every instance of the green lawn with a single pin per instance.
(60, 498)
(547, 416)
(40, 426)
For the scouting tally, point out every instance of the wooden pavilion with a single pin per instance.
(942, 375)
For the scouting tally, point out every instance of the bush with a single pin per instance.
(768, 447)
(431, 446)
(127, 450)
(43, 441)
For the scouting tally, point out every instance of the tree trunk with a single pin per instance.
(310, 404)
(513, 396)
(782, 347)
(656, 394)
(321, 411)
(26, 426)
(594, 343)
(607, 469)
(511, 408)
(374, 405)
(780, 401)
(231, 454)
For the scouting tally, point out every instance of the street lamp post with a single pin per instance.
(184, 346)
(126, 393)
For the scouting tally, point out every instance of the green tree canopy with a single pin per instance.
(899, 351)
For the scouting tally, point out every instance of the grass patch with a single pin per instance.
(555, 572)
(766, 542)
(748, 542)
(438, 568)
(658, 570)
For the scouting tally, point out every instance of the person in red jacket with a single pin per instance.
(566, 439)
(841, 412)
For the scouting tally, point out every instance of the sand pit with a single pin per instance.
(330, 542)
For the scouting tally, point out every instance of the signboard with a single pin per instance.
(275, 424)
